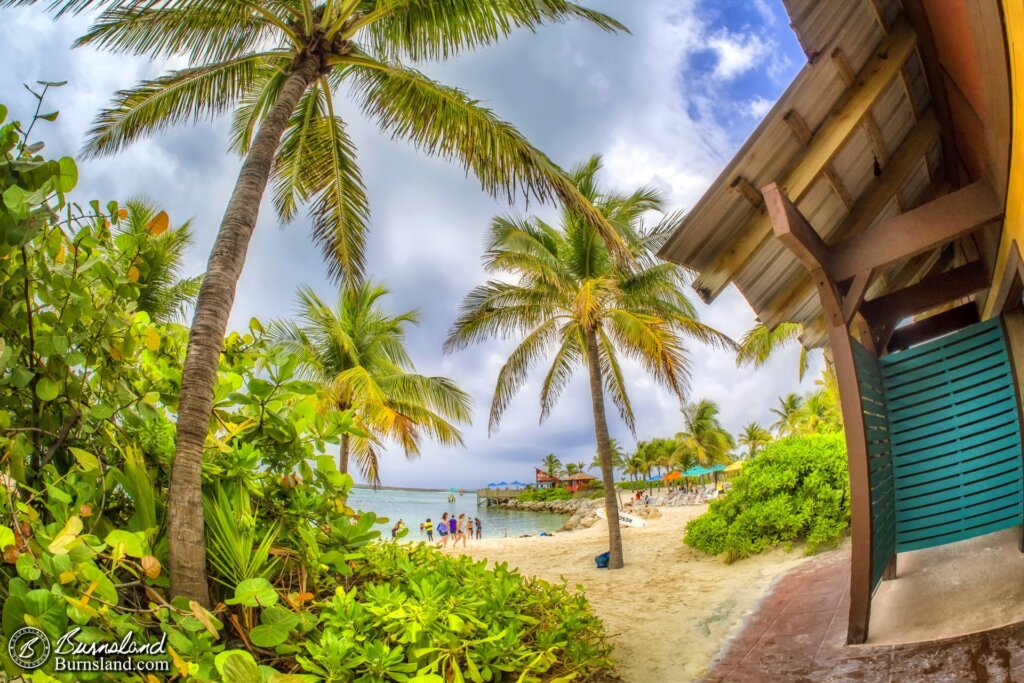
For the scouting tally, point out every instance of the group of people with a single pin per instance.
(457, 529)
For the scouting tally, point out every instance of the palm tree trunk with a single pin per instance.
(187, 549)
(604, 452)
(343, 454)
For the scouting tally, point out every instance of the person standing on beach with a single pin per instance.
(442, 531)
(428, 526)
(479, 528)
(452, 528)
(469, 527)
(460, 531)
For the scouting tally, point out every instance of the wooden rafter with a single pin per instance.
(872, 82)
(927, 294)
(916, 231)
(871, 202)
(748, 192)
(933, 326)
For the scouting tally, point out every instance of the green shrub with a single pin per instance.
(797, 489)
(544, 495)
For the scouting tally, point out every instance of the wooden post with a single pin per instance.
(1013, 328)
(793, 230)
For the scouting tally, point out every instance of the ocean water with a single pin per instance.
(414, 507)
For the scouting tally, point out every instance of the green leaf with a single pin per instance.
(47, 389)
(236, 666)
(278, 622)
(6, 537)
(254, 593)
(85, 459)
(52, 116)
(67, 538)
(68, 177)
(133, 543)
(26, 566)
(3, 113)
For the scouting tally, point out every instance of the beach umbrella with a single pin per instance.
(717, 468)
(696, 471)
(736, 466)
(452, 490)
(502, 483)
(672, 476)
(653, 479)
(491, 485)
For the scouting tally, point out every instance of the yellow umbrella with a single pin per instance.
(738, 465)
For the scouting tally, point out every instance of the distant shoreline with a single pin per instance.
(398, 488)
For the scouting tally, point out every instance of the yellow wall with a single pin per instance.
(1013, 227)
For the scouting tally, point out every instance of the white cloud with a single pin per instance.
(737, 53)
(757, 107)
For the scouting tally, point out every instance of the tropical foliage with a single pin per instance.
(276, 66)
(760, 343)
(795, 490)
(355, 354)
(703, 438)
(551, 464)
(88, 389)
(565, 296)
(753, 438)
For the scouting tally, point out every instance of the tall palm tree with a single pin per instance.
(703, 435)
(568, 295)
(276, 65)
(754, 437)
(572, 468)
(157, 261)
(790, 415)
(552, 465)
(634, 466)
(355, 352)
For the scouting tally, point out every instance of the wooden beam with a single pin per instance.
(846, 74)
(877, 142)
(872, 82)
(877, 12)
(838, 188)
(909, 92)
(933, 72)
(798, 126)
(933, 326)
(793, 230)
(874, 199)
(855, 294)
(916, 231)
(927, 294)
(743, 186)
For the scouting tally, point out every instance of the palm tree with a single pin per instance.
(572, 468)
(569, 295)
(760, 343)
(790, 415)
(276, 65)
(156, 254)
(552, 465)
(634, 466)
(355, 352)
(703, 435)
(754, 437)
(819, 413)
(617, 453)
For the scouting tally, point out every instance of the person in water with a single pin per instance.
(428, 526)
(479, 528)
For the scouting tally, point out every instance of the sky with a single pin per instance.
(668, 105)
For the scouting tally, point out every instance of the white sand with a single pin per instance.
(669, 609)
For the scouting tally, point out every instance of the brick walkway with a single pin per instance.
(798, 633)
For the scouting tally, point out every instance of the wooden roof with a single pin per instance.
(857, 139)
(579, 476)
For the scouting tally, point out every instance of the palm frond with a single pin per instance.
(517, 369)
(760, 343)
(444, 121)
(187, 95)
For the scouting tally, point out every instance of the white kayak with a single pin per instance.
(624, 518)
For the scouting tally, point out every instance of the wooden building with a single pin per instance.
(880, 205)
(578, 482)
(545, 480)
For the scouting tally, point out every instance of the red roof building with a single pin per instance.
(578, 482)
(545, 480)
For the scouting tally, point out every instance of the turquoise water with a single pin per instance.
(414, 507)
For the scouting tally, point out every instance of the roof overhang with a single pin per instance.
(900, 108)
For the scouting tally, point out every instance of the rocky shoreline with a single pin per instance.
(582, 511)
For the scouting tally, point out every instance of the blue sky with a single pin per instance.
(668, 105)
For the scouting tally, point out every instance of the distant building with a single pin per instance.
(545, 480)
(578, 482)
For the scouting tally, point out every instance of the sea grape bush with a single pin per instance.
(303, 590)
(797, 489)
(544, 495)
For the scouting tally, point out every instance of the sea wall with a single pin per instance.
(583, 511)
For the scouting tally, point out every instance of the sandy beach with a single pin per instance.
(669, 609)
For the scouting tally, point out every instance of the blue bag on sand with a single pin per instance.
(602, 560)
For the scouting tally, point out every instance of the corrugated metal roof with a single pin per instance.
(774, 283)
